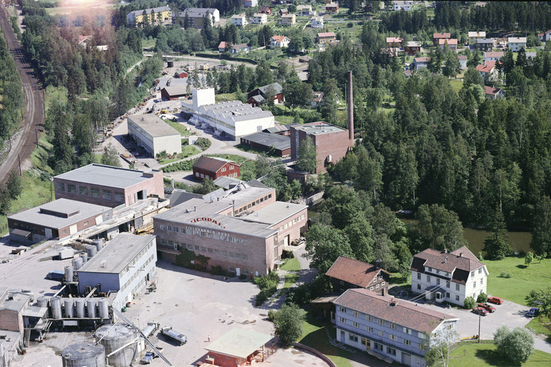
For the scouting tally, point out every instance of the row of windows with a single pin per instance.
(94, 192)
(137, 273)
(212, 178)
(370, 318)
(208, 233)
(207, 250)
(252, 204)
(135, 259)
(291, 222)
(429, 269)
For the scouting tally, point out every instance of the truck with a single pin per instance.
(171, 333)
(150, 329)
(56, 275)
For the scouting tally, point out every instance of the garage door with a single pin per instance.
(406, 359)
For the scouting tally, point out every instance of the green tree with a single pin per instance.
(439, 228)
(497, 245)
(452, 66)
(437, 346)
(541, 227)
(529, 258)
(307, 156)
(14, 185)
(540, 298)
(110, 156)
(516, 344)
(469, 303)
(324, 244)
(482, 298)
(5, 200)
(288, 324)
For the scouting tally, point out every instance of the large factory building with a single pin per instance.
(244, 231)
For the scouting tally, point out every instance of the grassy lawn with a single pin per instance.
(523, 278)
(39, 156)
(180, 128)
(315, 336)
(290, 280)
(187, 151)
(291, 265)
(456, 85)
(541, 325)
(485, 354)
(225, 97)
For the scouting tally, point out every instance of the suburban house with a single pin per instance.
(413, 47)
(493, 93)
(162, 15)
(304, 10)
(318, 99)
(489, 71)
(421, 62)
(394, 42)
(346, 273)
(388, 328)
(462, 61)
(239, 20)
(213, 168)
(449, 277)
(265, 10)
(473, 36)
(544, 37)
(197, 15)
(492, 56)
(288, 19)
(326, 37)
(316, 22)
(279, 41)
(175, 91)
(484, 44)
(283, 11)
(402, 5)
(436, 37)
(259, 18)
(451, 42)
(243, 47)
(516, 43)
(223, 46)
(250, 3)
(332, 8)
(261, 94)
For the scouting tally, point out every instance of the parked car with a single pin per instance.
(487, 307)
(496, 300)
(169, 332)
(480, 311)
(148, 357)
(533, 312)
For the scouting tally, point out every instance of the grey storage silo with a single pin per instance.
(55, 307)
(69, 273)
(80, 305)
(91, 308)
(68, 305)
(116, 336)
(103, 308)
(91, 251)
(84, 355)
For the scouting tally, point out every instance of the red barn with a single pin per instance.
(213, 168)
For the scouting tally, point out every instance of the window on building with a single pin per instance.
(94, 192)
(71, 189)
(391, 351)
(119, 197)
(430, 269)
(457, 298)
(196, 174)
(472, 273)
(438, 281)
(407, 330)
(342, 320)
(369, 328)
(83, 190)
(342, 309)
(355, 313)
(223, 169)
(393, 337)
(447, 283)
(428, 278)
(447, 294)
(169, 228)
(457, 286)
(369, 318)
(85, 223)
(481, 281)
(407, 342)
(419, 276)
(480, 271)
(106, 194)
(352, 337)
(419, 286)
(61, 186)
(392, 325)
(380, 321)
(474, 284)
(355, 324)
(381, 333)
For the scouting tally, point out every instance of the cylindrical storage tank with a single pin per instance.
(116, 336)
(103, 308)
(78, 263)
(55, 305)
(91, 251)
(69, 273)
(42, 301)
(84, 355)
(84, 258)
(68, 305)
(91, 307)
(98, 244)
(79, 305)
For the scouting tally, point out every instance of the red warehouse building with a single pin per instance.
(213, 168)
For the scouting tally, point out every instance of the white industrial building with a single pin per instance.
(154, 135)
(232, 118)
(124, 266)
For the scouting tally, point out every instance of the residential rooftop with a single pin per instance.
(117, 253)
(153, 125)
(99, 174)
(353, 271)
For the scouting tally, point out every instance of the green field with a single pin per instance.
(485, 354)
(523, 278)
(456, 84)
(541, 325)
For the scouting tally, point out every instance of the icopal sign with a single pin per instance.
(205, 219)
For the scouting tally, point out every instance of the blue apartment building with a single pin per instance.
(388, 328)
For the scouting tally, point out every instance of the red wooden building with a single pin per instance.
(213, 168)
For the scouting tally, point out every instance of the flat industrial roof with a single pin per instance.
(153, 125)
(99, 174)
(117, 254)
(280, 142)
(318, 128)
(275, 213)
(79, 210)
(239, 343)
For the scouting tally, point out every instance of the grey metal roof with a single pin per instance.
(275, 86)
(62, 207)
(117, 254)
(318, 128)
(197, 12)
(275, 213)
(153, 125)
(99, 174)
(277, 141)
(176, 90)
(16, 304)
(226, 182)
(237, 110)
(178, 196)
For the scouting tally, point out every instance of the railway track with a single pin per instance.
(25, 139)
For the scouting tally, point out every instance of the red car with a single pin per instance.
(495, 300)
(487, 307)
(480, 311)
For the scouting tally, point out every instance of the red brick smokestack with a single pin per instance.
(350, 124)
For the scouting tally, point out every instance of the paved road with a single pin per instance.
(23, 142)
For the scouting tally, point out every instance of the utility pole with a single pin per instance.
(479, 317)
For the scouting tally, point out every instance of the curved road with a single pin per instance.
(25, 139)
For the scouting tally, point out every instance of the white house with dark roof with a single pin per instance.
(449, 277)
(390, 329)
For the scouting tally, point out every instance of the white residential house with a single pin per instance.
(488, 71)
(462, 62)
(304, 10)
(449, 277)
(250, 3)
(492, 56)
(259, 18)
(421, 62)
(239, 20)
(473, 36)
(316, 22)
(402, 5)
(279, 41)
(516, 43)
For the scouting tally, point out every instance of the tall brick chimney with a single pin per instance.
(350, 124)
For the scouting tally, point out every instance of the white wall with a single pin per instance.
(170, 143)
